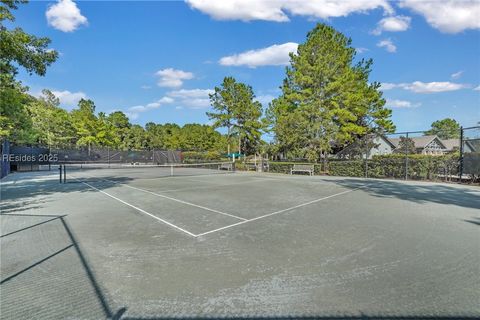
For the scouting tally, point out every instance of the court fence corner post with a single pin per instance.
(460, 164)
(406, 156)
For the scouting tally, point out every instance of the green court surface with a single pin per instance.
(134, 245)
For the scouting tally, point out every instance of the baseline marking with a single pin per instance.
(176, 200)
(277, 212)
(140, 210)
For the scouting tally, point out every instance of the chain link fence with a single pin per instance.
(470, 152)
(32, 158)
(413, 155)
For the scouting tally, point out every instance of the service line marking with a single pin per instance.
(218, 229)
(139, 209)
(176, 200)
(215, 186)
(279, 211)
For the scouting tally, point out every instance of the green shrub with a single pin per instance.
(420, 167)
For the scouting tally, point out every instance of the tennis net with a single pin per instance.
(119, 171)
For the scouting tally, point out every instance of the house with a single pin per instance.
(452, 145)
(380, 145)
(431, 145)
(469, 146)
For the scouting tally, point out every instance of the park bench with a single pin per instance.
(309, 168)
(226, 166)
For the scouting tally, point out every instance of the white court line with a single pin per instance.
(277, 212)
(215, 186)
(177, 200)
(140, 210)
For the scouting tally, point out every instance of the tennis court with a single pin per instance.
(138, 242)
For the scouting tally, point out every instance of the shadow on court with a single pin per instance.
(474, 220)
(43, 263)
(24, 195)
(62, 284)
(418, 193)
(68, 288)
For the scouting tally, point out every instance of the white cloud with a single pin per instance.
(361, 50)
(275, 55)
(248, 10)
(448, 16)
(425, 87)
(65, 16)
(388, 45)
(190, 93)
(69, 99)
(433, 87)
(456, 75)
(191, 98)
(401, 104)
(388, 86)
(392, 24)
(145, 87)
(477, 88)
(172, 78)
(135, 110)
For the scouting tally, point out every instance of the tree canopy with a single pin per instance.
(327, 99)
(236, 109)
(55, 127)
(445, 129)
(18, 49)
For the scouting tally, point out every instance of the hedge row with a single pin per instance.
(421, 167)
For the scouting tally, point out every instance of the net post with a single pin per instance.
(64, 174)
(60, 172)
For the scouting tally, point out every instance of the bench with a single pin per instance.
(309, 168)
(226, 166)
(257, 166)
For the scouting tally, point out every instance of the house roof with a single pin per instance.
(420, 142)
(450, 144)
(387, 140)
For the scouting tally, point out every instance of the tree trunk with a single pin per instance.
(228, 140)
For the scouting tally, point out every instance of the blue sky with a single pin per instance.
(158, 60)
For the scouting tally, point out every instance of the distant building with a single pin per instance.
(431, 145)
(451, 145)
(382, 145)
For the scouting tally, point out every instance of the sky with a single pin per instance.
(158, 60)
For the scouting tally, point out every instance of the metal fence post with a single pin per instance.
(460, 169)
(366, 157)
(406, 157)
